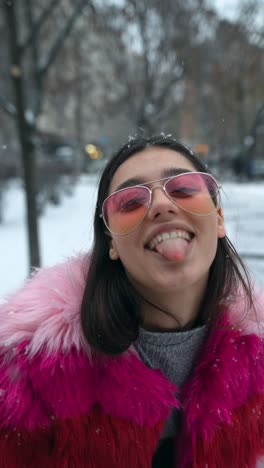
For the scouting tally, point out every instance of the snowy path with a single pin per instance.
(67, 229)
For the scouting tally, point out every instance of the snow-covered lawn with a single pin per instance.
(67, 228)
(244, 216)
(64, 230)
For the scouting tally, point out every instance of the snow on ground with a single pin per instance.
(67, 229)
(64, 230)
(244, 217)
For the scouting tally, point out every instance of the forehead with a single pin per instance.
(150, 164)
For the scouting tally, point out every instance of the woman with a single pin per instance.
(149, 351)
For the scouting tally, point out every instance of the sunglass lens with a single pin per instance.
(194, 193)
(124, 210)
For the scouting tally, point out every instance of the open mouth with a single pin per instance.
(179, 234)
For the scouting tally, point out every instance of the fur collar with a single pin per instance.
(45, 312)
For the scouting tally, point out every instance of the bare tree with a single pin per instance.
(230, 82)
(149, 46)
(29, 66)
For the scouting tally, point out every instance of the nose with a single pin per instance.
(161, 205)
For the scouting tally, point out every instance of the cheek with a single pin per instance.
(126, 250)
(130, 256)
(208, 235)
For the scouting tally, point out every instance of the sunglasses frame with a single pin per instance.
(163, 187)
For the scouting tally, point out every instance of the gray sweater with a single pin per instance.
(174, 353)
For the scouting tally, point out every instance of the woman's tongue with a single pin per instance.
(173, 249)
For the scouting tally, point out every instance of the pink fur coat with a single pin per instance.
(62, 407)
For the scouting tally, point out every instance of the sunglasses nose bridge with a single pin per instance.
(158, 186)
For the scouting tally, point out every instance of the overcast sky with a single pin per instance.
(226, 7)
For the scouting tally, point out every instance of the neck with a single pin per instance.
(175, 311)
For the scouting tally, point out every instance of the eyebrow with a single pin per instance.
(137, 180)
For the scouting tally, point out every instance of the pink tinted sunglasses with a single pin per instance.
(197, 193)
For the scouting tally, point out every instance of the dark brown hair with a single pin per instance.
(110, 311)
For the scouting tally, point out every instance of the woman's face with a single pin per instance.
(193, 254)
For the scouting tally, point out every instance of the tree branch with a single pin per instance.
(62, 36)
(8, 107)
(37, 91)
(37, 25)
(167, 89)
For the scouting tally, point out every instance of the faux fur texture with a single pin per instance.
(229, 373)
(47, 367)
(249, 320)
(48, 372)
(68, 385)
(46, 311)
(93, 441)
(229, 441)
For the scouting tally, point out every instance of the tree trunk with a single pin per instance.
(28, 158)
(79, 103)
(25, 133)
(240, 95)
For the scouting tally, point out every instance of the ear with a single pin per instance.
(113, 253)
(220, 223)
